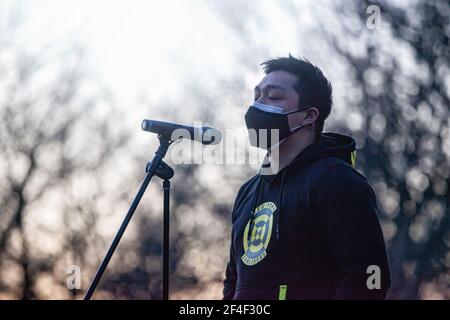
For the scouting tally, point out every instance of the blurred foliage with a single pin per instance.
(400, 92)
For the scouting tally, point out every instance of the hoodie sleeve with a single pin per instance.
(229, 284)
(348, 213)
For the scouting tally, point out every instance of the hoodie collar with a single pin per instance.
(326, 145)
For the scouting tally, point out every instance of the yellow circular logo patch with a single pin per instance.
(255, 246)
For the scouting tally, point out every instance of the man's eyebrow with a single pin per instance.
(271, 86)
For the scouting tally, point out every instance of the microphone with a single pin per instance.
(173, 131)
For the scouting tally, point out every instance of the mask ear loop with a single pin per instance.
(295, 111)
(297, 128)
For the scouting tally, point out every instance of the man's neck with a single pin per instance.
(287, 150)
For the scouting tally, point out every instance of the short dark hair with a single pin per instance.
(312, 86)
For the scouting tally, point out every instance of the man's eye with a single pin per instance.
(274, 98)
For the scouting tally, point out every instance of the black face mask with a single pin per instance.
(261, 119)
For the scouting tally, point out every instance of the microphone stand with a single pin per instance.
(159, 168)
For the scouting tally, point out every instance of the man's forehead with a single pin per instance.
(277, 79)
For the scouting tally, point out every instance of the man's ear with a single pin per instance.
(312, 114)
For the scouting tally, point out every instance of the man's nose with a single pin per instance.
(262, 100)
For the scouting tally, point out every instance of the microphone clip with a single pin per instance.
(163, 170)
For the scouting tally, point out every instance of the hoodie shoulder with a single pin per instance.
(323, 165)
(341, 176)
(334, 170)
(333, 166)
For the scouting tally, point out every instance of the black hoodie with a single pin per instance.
(315, 232)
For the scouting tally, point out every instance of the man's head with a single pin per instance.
(292, 84)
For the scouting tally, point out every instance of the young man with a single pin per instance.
(310, 229)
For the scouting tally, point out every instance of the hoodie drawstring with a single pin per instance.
(280, 200)
(255, 203)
